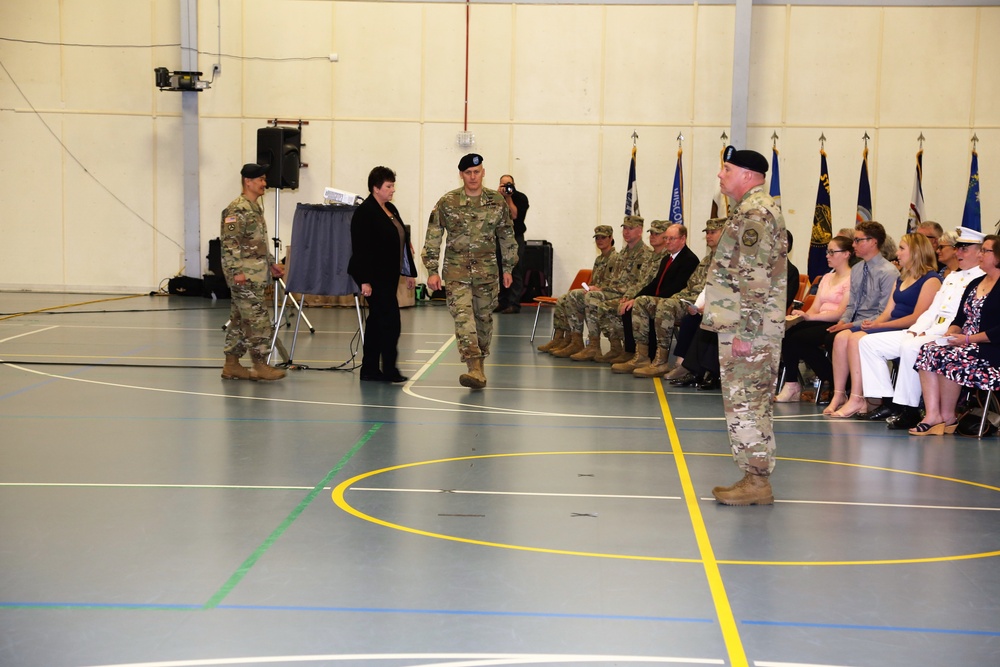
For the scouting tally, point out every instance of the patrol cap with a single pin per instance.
(659, 226)
(252, 170)
(633, 221)
(714, 224)
(747, 159)
(470, 160)
(603, 230)
(967, 237)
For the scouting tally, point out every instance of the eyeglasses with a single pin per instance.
(859, 239)
(834, 252)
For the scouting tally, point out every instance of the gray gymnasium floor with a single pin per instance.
(153, 514)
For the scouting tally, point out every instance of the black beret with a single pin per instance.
(252, 170)
(470, 160)
(747, 159)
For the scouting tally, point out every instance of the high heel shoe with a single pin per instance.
(923, 428)
(791, 392)
(840, 414)
(949, 429)
(834, 405)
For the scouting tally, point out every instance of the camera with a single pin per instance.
(507, 188)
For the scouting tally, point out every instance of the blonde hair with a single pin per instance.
(922, 258)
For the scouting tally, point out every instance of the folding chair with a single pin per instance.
(582, 276)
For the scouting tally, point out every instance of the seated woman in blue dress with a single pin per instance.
(968, 355)
(916, 286)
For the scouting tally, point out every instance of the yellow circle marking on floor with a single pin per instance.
(338, 498)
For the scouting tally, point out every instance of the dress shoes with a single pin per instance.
(908, 418)
(395, 377)
(709, 383)
(688, 380)
(372, 376)
(879, 414)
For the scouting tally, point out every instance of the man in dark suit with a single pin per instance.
(676, 266)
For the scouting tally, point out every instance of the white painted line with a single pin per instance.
(29, 333)
(763, 663)
(160, 486)
(888, 505)
(493, 658)
(516, 493)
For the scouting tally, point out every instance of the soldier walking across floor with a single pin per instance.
(474, 219)
(745, 304)
(247, 264)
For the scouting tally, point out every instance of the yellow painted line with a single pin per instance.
(727, 622)
(338, 498)
(71, 305)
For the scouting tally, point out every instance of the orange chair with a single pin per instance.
(582, 276)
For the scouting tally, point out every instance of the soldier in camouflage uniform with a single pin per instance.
(247, 264)
(573, 300)
(745, 305)
(670, 310)
(475, 219)
(629, 262)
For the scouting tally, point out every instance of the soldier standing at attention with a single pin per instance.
(246, 262)
(745, 304)
(475, 218)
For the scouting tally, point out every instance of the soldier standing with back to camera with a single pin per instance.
(745, 305)
(247, 263)
(475, 218)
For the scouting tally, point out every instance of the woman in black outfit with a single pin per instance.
(380, 254)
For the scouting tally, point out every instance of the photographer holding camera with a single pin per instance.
(517, 202)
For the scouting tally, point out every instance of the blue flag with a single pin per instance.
(775, 178)
(822, 229)
(972, 215)
(864, 192)
(632, 194)
(677, 195)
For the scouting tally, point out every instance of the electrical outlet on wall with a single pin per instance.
(216, 70)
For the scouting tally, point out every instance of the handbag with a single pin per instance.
(970, 422)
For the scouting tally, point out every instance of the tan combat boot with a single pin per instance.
(475, 378)
(589, 353)
(624, 356)
(751, 490)
(657, 368)
(234, 370)
(261, 371)
(617, 347)
(575, 345)
(559, 338)
(639, 360)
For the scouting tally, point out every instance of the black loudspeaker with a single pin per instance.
(278, 148)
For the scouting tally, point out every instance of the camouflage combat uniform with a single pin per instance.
(245, 250)
(643, 270)
(470, 273)
(745, 299)
(666, 311)
(630, 263)
(570, 307)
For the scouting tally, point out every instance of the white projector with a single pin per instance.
(341, 197)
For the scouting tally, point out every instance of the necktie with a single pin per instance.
(663, 274)
(862, 293)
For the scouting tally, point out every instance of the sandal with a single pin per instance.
(923, 428)
(949, 429)
(834, 406)
(840, 414)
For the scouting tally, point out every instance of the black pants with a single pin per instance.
(690, 325)
(809, 342)
(703, 354)
(382, 329)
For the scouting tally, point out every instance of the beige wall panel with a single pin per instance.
(563, 45)
(35, 67)
(166, 29)
(106, 243)
(987, 109)
(107, 79)
(31, 202)
(927, 66)
(947, 158)
(833, 53)
(222, 155)
(168, 200)
(713, 76)
(492, 64)
(648, 69)
(225, 98)
(767, 66)
(379, 73)
(288, 88)
(701, 183)
(989, 174)
(443, 69)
